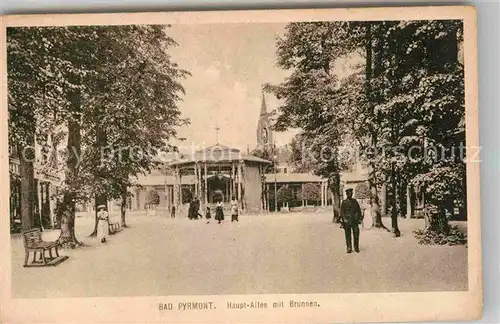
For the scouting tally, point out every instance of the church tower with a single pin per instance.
(264, 132)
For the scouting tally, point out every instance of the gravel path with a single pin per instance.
(280, 253)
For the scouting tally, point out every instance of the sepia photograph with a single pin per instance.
(294, 156)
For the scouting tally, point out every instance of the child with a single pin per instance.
(207, 215)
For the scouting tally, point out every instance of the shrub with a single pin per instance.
(284, 194)
(362, 191)
(430, 237)
(187, 195)
(310, 191)
(152, 197)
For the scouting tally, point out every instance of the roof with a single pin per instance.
(348, 177)
(293, 177)
(218, 153)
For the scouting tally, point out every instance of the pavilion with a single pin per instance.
(203, 173)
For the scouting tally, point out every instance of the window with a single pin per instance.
(45, 154)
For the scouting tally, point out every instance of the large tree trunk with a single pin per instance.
(383, 197)
(372, 179)
(335, 188)
(436, 220)
(27, 186)
(401, 200)
(123, 208)
(394, 208)
(100, 144)
(67, 237)
(37, 220)
(409, 201)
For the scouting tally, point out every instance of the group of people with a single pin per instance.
(194, 208)
(350, 215)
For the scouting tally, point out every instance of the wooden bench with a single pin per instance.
(114, 227)
(33, 242)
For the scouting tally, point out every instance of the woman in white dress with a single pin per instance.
(103, 225)
(234, 209)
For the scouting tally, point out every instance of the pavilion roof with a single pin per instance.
(218, 153)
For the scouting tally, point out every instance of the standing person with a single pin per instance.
(207, 215)
(191, 210)
(219, 211)
(103, 225)
(172, 212)
(197, 209)
(350, 214)
(234, 209)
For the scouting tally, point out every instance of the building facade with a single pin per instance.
(48, 180)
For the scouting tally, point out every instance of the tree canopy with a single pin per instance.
(408, 92)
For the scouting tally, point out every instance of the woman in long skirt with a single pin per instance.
(219, 211)
(103, 225)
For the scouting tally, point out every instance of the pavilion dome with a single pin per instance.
(219, 149)
(218, 153)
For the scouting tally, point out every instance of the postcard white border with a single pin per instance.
(365, 307)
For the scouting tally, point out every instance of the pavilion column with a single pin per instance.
(325, 186)
(261, 190)
(267, 196)
(232, 181)
(408, 202)
(199, 182)
(325, 196)
(322, 194)
(206, 185)
(166, 195)
(176, 189)
(239, 182)
(241, 176)
(179, 189)
(195, 171)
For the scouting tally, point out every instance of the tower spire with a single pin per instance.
(263, 108)
(217, 129)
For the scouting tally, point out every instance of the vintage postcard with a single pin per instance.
(241, 166)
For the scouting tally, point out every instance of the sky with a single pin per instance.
(229, 64)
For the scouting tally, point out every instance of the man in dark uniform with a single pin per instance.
(350, 215)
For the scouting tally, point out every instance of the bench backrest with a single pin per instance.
(32, 237)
